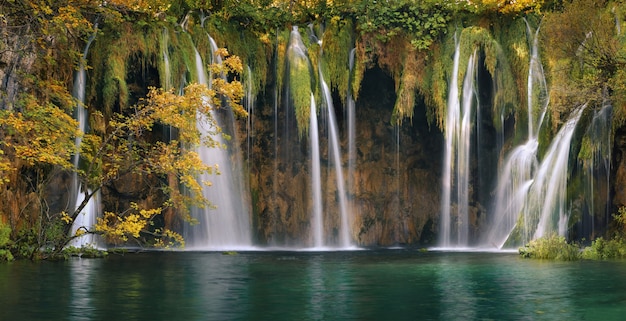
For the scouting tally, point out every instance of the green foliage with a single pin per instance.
(422, 21)
(587, 55)
(336, 46)
(300, 86)
(123, 48)
(433, 84)
(252, 46)
(551, 247)
(5, 233)
(405, 101)
(25, 243)
(602, 249)
(611, 248)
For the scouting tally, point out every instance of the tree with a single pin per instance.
(37, 139)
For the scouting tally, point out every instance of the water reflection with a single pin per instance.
(456, 289)
(390, 285)
(81, 274)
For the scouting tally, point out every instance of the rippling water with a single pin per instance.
(356, 285)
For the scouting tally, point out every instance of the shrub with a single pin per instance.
(5, 253)
(551, 247)
(602, 249)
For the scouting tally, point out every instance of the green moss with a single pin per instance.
(433, 83)
(313, 52)
(300, 90)
(252, 47)
(405, 101)
(183, 56)
(114, 50)
(337, 44)
(474, 39)
(282, 41)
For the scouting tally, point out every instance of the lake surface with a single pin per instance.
(355, 285)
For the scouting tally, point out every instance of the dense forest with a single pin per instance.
(134, 95)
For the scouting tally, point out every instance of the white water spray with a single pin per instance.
(317, 220)
(86, 219)
(344, 230)
(457, 156)
(227, 226)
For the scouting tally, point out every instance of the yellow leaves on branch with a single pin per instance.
(513, 6)
(118, 228)
(146, 6)
(39, 135)
(66, 218)
(5, 168)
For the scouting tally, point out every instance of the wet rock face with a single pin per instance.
(397, 183)
(619, 185)
(394, 198)
(17, 56)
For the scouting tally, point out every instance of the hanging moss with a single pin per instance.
(337, 44)
(182, 56)
(405, 101)
(254, 48)
(282, 41)
(513, 39)
(433, 85)
(495, 61)
(300, 89)
(313, 52)
(358, 72)
(118, 46)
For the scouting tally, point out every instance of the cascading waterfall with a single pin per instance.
(227, 226)
(317, 220)
(517, 174)
(297, 58)
(595, 165)
(531, 195)
(455, 230)
(444, 236)
(548, 192)
(86, 219)
(344, 230)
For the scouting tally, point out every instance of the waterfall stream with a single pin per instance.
(456, 172)
(86, 219)
(227, 226)
(344, 229)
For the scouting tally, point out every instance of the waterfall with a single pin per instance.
(548, 192)
(595, 166)
(530, 198)
(167, 73)
(227, 226)
(86, 219)
(344, 230)
(455, 228)
(317, 220)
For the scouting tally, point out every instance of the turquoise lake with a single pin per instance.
(353, 285)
